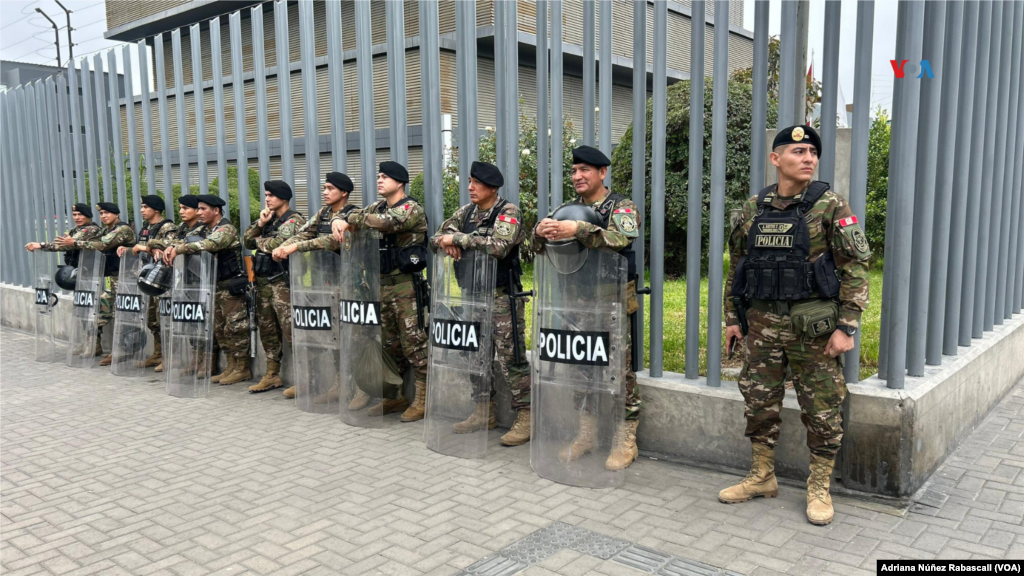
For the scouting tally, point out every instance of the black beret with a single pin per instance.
(487, 174)
(395, 170)
(278, 188)
(590, 155)
(153, 201)
(109, 207)
(83, 208)
(795, 134)
(340, 181)
(210, 200)
(189, 200)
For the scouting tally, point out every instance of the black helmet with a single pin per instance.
(155, 278)
(577, 212)
(130, 340)
(569, 255)
(66, 277)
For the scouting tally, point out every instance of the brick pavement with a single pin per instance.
(104, 475)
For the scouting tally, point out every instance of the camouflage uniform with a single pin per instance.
(771, 342)
(309, 237)
(497, 242)
(86, 232)
(402, 336)
(623, 229)
(110, 238)
(164, 229)
(273, 297)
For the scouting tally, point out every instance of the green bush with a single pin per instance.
(878, 182)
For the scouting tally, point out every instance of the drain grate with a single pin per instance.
(494, 565)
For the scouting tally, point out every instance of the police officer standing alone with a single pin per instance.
(621, 227)
(494, 225)
(277, 223)
(231, 327)
(798, 283)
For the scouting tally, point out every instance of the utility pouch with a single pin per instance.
(814, 318)
(237, 286)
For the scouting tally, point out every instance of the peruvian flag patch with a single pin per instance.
(623, 211)
(847, 221)
(406, 206)
(509, 219)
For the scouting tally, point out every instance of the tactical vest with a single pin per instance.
(605, 211)
(323, 225)
(264, 265)
(777, 265)
(508, 267)
(71, 257)
(149, 230)
(389, 248)
(229, 262)
(112, 262)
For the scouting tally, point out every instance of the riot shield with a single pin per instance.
(461, 335)
(45, 301)
(83, 333)
(128, 351)
(580, 332)
(164, 313)
(362, 370)
(189, 359)
(316, 335)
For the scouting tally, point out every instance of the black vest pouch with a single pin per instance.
(826, 276)
(412, 259)
(237, 286)
(739, 279)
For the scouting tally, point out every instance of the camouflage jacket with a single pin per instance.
(110, 237)
(174, 236)
(161, 231)
(406, 219)
(308, 239)
(507, 233)
(254, 239)
(851, 253)
(221, 236)
(87, 232)
(623, 226)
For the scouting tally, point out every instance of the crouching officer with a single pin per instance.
(494, 225)
(231, 323)
(277, 223)
(114, 234)
(798, 283)
(156, 227)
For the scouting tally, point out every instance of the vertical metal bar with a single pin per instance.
(241, 140)
(659, 116)
(395, 21)
(717, 213)
(259, 73)
(557, 121)
(78, 145)
(336, 89)
(993, 288)
(959, 235)
(103, 123)
(543, 135)
(12, 241)
(469, 124)
(982, 317)
(499, 85)
(589, 27)
(165, 130)
(787, 64)
(695, 201)
(117, 164)
(51, 157)
(970, 321)
(220, 131)
(511, 121)
(430, 90)
(133, 145)
(43, 190)
(179, 105)
(639, 167)
(604, 130)
(1004, 165)
(307, 54)
(284, 90)
(30, 159)
(1008, 264)
(364, 71)
(64, 138)
(829, 93)
(1017, 263)
(13, 172)
(147, 127)
(941, 252)
(16, 145)
(199, 99)
(760, 107)
(924, 193)
(91, 193)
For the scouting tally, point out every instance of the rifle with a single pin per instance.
(740, 304)
(250, 305)
(422, 289)
(512, 289)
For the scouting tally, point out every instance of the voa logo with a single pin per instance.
(900, 70)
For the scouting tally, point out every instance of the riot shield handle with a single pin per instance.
(523, 294)
(646, 290)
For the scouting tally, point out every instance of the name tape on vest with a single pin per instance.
(312, 318)
(360, 313)
(574, 347)
(165, 306)
(784, 241)
(84, 299)
(128, 303)
(455, 335)
(188, 312)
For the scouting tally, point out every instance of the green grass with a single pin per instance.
(675, 324)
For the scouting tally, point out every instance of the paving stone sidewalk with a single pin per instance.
(105, 475)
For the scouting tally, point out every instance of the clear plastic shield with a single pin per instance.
(128, 351)
(189, 358)
(45, 301)
(163, 310)
(83, 333)
(461, 334)
(361, 371)
(316, 336)
(580, 331)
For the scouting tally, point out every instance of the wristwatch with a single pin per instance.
(849, 330)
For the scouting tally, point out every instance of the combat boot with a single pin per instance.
(387, 407)
(270, 380)
(760, 481)
(624, 450)
(482, 416)
(107, 360)
(359, 401)
(289, 392)
(584, 442)
(156, 358)
(215, 379)
(419, 404)
(331, 395)
(520, 431)
(241, 372)
(159, 368)
(97, 349)
(819, 502)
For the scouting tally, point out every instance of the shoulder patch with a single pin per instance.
(844, 222)
(509, 219)
(623, 211)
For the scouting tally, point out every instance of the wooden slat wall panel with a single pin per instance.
(121, 12)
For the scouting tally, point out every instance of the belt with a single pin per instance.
(395, 279)
(780, 307)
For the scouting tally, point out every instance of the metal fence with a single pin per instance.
(955, 257)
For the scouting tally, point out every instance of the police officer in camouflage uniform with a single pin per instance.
(621, 228)
(114, 233)
(495, 226)
(316, 234)
(231, 322)
(403, 223)
(798, 280)
(156, 226)
(277, 223)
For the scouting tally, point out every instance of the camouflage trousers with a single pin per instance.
(153, 321)
(106, 314)
(516, 375)
(402, 337)
(230, 322)
(274, 315)
(631, 401)
(817, 379)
